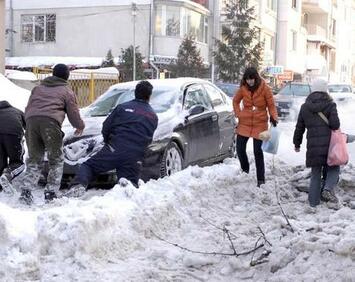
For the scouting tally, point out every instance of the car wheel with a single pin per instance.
(233, 148)
(172, 161)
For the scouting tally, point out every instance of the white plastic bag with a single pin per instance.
(271, 145)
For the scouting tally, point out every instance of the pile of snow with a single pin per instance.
(123, 234)
(114, 235)
(15, 95)
(20, 75)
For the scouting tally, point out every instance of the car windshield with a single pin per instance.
(339, 88)
(161, 100)
(295, 90)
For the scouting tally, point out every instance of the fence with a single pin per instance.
(86, 84)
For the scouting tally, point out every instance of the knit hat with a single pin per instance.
(61, 71)
(319, 85)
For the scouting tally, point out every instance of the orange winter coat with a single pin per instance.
(251, 113)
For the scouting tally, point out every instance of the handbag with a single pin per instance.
(337, 151)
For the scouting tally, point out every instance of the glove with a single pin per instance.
(273, 122)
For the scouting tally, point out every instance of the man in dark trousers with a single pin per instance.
(12, 124)
(127, 132)
(45, 113)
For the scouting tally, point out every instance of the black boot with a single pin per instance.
(26, 197)
(260, 182)
(49, 196)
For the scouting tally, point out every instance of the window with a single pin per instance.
(172, 21)
(294, 4)
(271, 4)
(38, 28)
(215, 95)
(294, 40)
(269, 42)
(196, 95)
(178, 22)
(334, 27)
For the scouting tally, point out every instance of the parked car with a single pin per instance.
(196, 126)
(229, 88)
(341, 92)
(290, 97)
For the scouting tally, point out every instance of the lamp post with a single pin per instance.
(134, 14)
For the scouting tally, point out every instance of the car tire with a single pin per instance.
(172, 160)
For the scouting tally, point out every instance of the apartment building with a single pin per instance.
(291, 39)
(90, 28)
(2, 36)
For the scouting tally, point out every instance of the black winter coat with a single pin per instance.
(12, 120)
(318, 132)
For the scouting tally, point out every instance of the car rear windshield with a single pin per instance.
(340, 88)
(296, 90)
(161, 100)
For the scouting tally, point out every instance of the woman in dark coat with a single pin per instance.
(318, 138)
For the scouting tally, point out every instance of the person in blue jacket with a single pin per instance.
(127, 132)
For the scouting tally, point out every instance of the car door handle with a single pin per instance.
(214, 117)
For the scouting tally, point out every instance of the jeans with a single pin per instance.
(258, 154)
(330, 182)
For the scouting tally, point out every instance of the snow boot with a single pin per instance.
(26, 197)
(6, 184)
(260, 182)
(329, 196)
(49, 196)
(75, 191)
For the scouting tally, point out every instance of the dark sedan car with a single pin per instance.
(289, 99)
(196, 126)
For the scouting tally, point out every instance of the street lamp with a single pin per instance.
(134, 14)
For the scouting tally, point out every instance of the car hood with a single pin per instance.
(341, 96)
(288, 98)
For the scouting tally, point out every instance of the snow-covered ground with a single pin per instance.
(164, 230)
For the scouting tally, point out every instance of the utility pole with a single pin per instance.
(134, 15)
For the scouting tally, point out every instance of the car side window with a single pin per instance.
(215, 95)
(196, 95)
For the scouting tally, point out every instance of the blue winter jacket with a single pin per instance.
(130, 127)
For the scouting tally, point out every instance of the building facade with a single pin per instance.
(71, 28)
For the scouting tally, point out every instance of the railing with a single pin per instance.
(87, 85)
(313, 29)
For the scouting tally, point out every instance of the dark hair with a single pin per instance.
(61, 71)
(143, 90)
(251, 73)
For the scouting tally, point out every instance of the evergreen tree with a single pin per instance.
(127, 64)
(240, 46)
(189, 61)
(109, 60)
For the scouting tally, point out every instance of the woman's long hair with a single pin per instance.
(251, 73)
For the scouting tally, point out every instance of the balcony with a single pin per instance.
(316, 6)
(317, 33)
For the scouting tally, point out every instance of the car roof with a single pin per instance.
(177, 83)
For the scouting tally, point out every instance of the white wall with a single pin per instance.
(48, 4)
(87, 32)
(344, 40)
(2, 36)
(289, 19)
